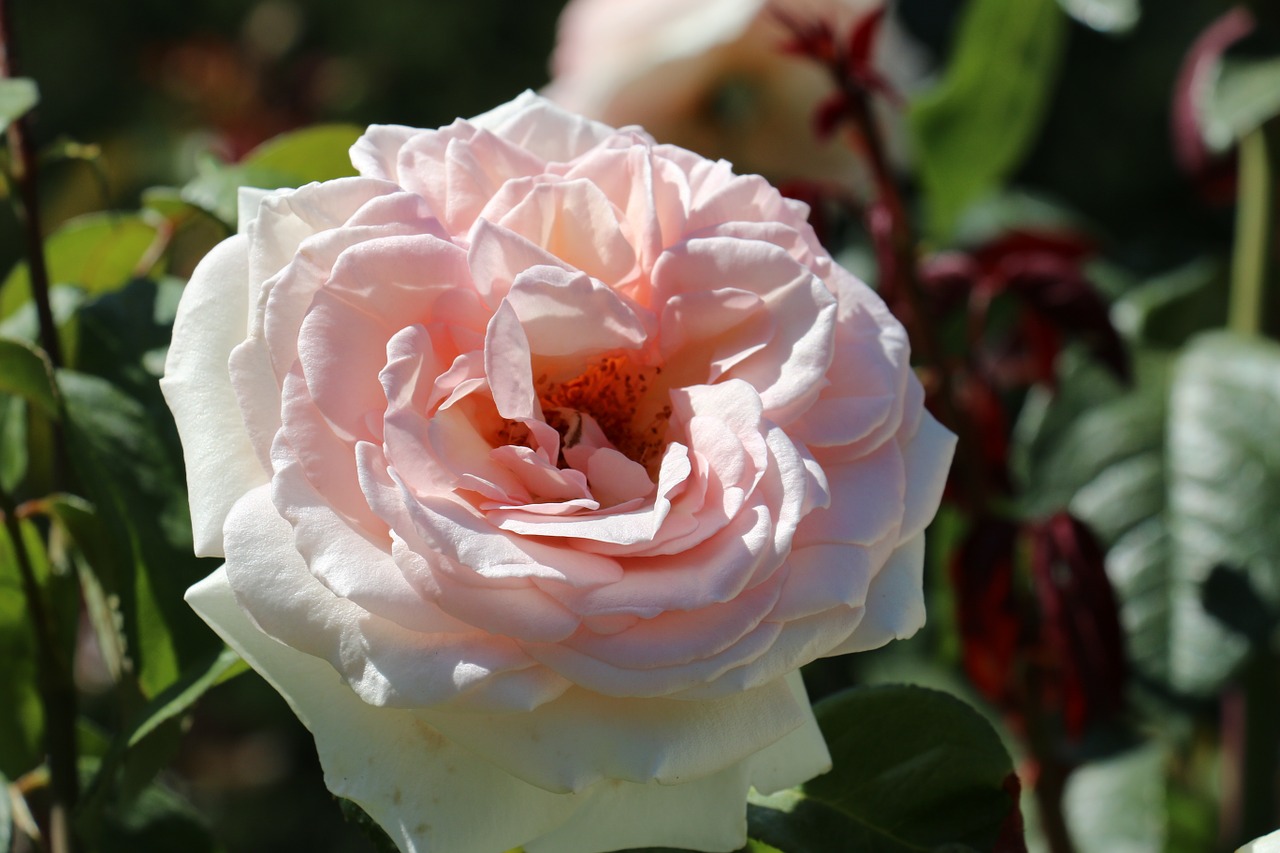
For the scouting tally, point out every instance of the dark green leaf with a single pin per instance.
(17, 96)
(96, 252)
(26, 372)
(914, 770)
(159, 819)
(1101, 451)
(6, 815)
(124, 456)
(1105, 16)
(1230, 597)
(318, 153)
(149, 741)
(21, 718)
(1168, 310)
(13, 443)
(975, 127)
(1224, 489)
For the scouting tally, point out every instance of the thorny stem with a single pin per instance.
(903, 282)
(57, 692)
(24, 165)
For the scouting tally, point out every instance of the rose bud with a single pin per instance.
(541, 457)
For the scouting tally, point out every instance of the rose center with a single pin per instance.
(626, 400)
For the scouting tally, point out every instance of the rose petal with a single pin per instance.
(384, 663)
(220, 460)
(582, 738)
(427, 792)
(895, 601)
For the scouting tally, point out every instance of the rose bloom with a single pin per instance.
(541, 457)
(712, 75)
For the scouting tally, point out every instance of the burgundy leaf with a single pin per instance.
(982, 572)
(1013, 832)
(1080, 633)
(1214, 174)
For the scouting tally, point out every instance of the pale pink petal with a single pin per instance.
(543, 129)
(506, 364)
(895, 601)
(565, 313)
(866, 501)
(577, 223)
(928, 458)
(615, 479)
(384, 663)
(375, 153)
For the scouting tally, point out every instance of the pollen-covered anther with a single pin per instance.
(618, 395)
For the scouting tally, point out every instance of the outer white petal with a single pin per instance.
(429, 794)
(895, 601)
(702, 815)
(1265, 844)
(212, 319)
(432, 795)
(580, 739)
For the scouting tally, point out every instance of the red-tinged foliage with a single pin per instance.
(1052, 647)
(1214, 174)
(1080, 632)
(1013, 832)
(990, 619)
(1044, 272)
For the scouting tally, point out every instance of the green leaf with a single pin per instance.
(13, 443)
(18, 95)
(143, 748)
(1169, 309)
(1244, 96)
(1106, 16)
(124, 455)
(26, 372)
(95, 252)
(914, 770)
(6, 814)
(1118, 803)
(973, 130)
(1224, 489)
(318, 153)
(21, 716)
(159, 819)
(1178, 476)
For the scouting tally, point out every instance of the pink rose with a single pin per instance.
(711, 75)
(541, 457)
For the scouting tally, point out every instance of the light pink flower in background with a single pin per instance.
(541, 458)
(710, 75)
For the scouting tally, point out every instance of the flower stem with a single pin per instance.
(1253, 221)
(900, 281)
(24, 167)
(57, 691)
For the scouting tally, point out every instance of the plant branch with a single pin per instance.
(1252, 240)
(25, 167)
(57, 691)
(900, 281)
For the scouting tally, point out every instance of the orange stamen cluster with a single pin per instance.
(610, 391)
